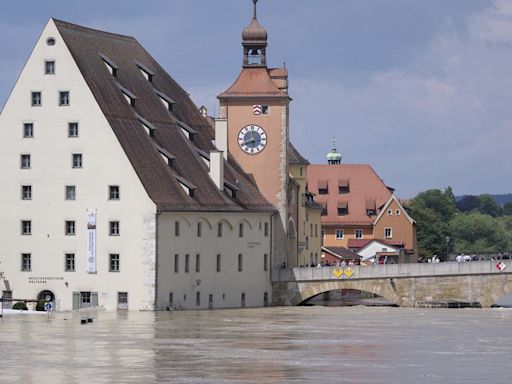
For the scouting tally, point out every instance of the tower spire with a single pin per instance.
(254, 41)
(334, 157)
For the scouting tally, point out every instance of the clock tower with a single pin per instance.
(256, 109)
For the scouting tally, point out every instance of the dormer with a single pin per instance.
(186, 129)
(167, 101)
(146, 72)
(150, 128)
(187, 186)
(130, 97)
(111, 66)
(166, 155)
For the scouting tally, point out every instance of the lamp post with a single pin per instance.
(447, 246)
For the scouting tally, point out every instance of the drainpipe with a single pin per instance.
(157, 219)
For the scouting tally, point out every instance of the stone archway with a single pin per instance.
(382, 287)
(43, 295)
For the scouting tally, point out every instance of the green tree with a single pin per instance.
(476, 232)
(433, 210)
(507, 208)
(468, 203)
(489, 206)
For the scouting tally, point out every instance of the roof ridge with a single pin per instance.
(65, 24)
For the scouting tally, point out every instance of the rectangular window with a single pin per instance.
(265, 262)
(323, 191)
(324, 210)
(26, 227)
(25, 161)
(77, 160)
(388, 233)
(241, 230)
(73, 129)
(26, 262)
(114, 262)
(397, 212)
(198, 263)
(122, 300)
(28, 130)
(198, 299)
(390, 212)
(114, 228)
(26, 192)
(70, 228)
(240, 262)
(113, 192)
(359, 233)
(316, 230)
(219, 229)
(264, 109)
(339, 234)
(187, 263)
(176, 228)
(343, 211)
(70, 192)
(49, 67)
(266, 230)
(85, 299)
(64, 98)
(176, 263)
(343, 189)
(69, 262)
(36, 99)
(218, 263)
(199, 230)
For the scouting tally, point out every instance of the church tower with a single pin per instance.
(256, 110)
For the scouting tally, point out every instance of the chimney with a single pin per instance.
(217, 168)
(221, 136)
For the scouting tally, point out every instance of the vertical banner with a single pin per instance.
(91, 241)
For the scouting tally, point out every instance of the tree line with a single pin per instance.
(474, 224)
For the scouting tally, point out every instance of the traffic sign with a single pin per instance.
(48, 307)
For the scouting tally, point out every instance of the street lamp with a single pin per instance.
(447, 246)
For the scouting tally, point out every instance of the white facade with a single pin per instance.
(103, 164)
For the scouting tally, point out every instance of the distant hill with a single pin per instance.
(500, 199)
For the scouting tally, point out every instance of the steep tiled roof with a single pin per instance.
(341, 252)
(162, 182)
(361, 243)
(364, 186)
(254, 82)
(294, 156)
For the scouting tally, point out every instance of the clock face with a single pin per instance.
(252, 139)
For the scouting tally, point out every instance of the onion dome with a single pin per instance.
(254, 32)
(334, 157)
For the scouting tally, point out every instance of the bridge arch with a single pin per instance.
(383, 288)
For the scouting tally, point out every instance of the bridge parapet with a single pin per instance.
(388, 271)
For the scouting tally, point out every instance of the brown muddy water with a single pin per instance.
(268, 345)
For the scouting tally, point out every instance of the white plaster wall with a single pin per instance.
(372, 249)
(104, 164)
(225, 286)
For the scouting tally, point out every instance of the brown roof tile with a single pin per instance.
(363, 183)
(161, 181)
(254, 82)
(294, 156)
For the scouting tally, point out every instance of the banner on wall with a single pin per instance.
(91, 241)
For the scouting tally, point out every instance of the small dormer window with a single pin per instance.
(50, 41)
(166, 155)
(187, 130)
(231, 189)
(148, 127)
(342, 208)
(167, 101)
(130, 97)
(146, 72)
(189, 188)
(111, 66)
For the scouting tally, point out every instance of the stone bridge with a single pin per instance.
(406, 285)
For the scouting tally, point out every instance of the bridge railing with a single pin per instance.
(388, 271)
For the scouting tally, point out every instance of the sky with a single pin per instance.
(421, 90)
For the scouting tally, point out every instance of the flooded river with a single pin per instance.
(268, 345)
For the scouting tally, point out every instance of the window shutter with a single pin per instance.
(76, 300)
(94, 299)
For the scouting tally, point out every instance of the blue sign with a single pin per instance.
(48, 307)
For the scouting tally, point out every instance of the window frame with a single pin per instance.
(114, 190)
(77, 161)
(356, 231)
(176, 263)
(70, 227)
(36, 99)
(198, 262)
(28, 130)
(337, 232)
(114, 228)
(49, 64)
(26, 192)
(187, 263)
(114, 262)
(240, 262)
(25, 161)
(390, 230)
(73, 129)
(26, 227)
(69, 262)
(64, 98)
(26, 262)
(67, 194)
(219, 262)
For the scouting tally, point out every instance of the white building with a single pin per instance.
(112, 190)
